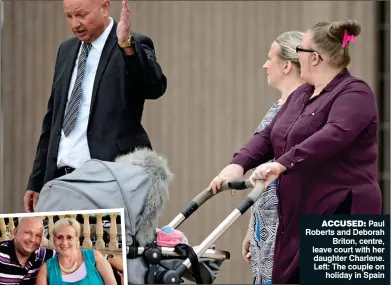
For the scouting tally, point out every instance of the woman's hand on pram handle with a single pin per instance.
(229, 173)
(204, 196)
(267, 171)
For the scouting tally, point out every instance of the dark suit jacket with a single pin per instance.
(122, 83)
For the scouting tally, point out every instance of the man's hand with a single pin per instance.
(123, 27)
(30, 200)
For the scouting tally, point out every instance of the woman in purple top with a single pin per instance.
(324, 141)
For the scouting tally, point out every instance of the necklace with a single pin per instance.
(68, 270)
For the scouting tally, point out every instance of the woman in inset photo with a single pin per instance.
(73, 265)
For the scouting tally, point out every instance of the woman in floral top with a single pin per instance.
(283, 73)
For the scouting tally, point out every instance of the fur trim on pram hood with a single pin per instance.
(137, 182)
(160, 175)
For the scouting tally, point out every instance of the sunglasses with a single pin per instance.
(300, 49)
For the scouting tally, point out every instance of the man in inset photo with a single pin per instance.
(21, 257)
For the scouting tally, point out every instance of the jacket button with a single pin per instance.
(59, 132)
(54, 159)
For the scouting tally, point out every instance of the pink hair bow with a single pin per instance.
(347, 38)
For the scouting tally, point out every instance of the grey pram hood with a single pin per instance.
(137, 182)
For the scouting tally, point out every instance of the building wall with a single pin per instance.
(212, 54)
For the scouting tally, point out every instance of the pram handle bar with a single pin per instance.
(210, 253)
(173, 276)
(204, 196)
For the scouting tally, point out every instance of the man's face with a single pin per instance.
(86, 17)
(28, 236)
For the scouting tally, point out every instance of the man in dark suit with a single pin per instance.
(101, 79)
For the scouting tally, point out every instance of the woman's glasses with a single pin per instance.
(300, 49)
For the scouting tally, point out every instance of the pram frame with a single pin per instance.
(203, 250)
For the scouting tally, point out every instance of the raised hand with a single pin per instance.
(123, 27)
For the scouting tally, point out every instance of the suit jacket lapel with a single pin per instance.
(104, 58)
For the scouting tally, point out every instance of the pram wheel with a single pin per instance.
(169, 277)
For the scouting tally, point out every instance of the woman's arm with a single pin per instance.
(258, 150)
(104, 268)
(42, 275)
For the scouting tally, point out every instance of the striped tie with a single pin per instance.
(74, 102)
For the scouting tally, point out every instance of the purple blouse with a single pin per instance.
(329, 146)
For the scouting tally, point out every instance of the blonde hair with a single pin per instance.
(327, 38)
(288, 42)
(67, 222)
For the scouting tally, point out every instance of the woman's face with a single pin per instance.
(66, 240)
(274, 66)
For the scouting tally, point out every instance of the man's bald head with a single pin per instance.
(28, 235)
(30, 222)
(87, 18)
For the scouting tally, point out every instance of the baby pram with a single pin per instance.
(138, 182)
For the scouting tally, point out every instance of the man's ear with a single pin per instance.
(105, 7)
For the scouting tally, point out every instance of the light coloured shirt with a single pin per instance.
(78, 275)
(73, 150)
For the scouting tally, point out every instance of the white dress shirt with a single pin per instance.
(73, 150)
